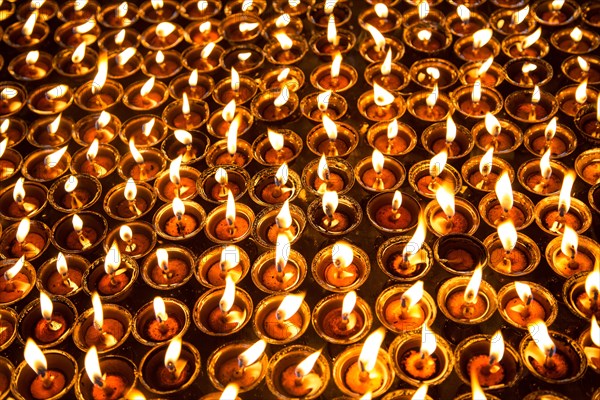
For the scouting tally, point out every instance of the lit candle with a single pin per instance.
(175, 366)
(81, 235)
(26, 248)
(367, 375)
(99, 100)
(593, 352)
(342, 272)
(24, 203)
(105, 338)
(332, 133)
(301, 380)
(285, 321)
(485, 169)
(546, 360)
(52, 325)
(444, 196)
(63, 271)
(105, 385)
(508, 237)
(436, 167)
(247, 362)
(48, 382)
(229, 263)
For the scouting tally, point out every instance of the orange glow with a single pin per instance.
(482, 37)
(428, 341)
(46, 306)
(92, 367)
(100, 78)
(569, 242)
(370, 349)
(252, 353)
(508, 235)
(437, 163)
(503, 191)
(289, 306)
(332, 36)
(78, 53)
(545, 167)
(284, 218)
(98, 311)
(524, 292)
(473, 286)
(342, 255)
(445, 198)
(306, 365)
(564, 198)
(450, 130)
(23, 230)
(35, 358)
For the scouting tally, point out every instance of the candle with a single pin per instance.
(23, 204)
(131, 207)
(543, 182)
(325, 179)
(557, 219)
(74, 197)
(52, 325)
(554, 14)
(467, 303)
(116, 277)
(285, 322)
(54, 100)
(228, 265)
(487, 368)
(525, 47)
(378, 177)
(219, 191)
(103, 333)
(9, 102)
(108, 385)
(26, 243)
(430, 183)
(588, 302)
(475, 48)
(147, 97)
(168, 270)
(279, 152)
(33, 68)
(593, 352)
(228, 316)
(333, 221)
(447, 220)
(485, 179)
(504, 209)
(122, 67)
(513, 260)
(95, 165)
(101, 129)
(48, 382)
(476, 106)
(393, 215)
(178, 186)
(280, 275)
(381, 109)
(405, 312)
(341, 272)
(524, 309)
(344, 322)
(407, 263)
(175, 370)
(142, 170)
(568, 259)
(284, 225)
(100, 99)
(64, 280)
(14, 283)
(181, 224)
(232, 156)
(7, 167)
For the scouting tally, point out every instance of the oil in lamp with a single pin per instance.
(215, 182)
(277, 147)
(186, 114)
(102, 126)
(220, 121)
(379, 173)
(168, 268)
(527, 72)
(482, 100)
(511, 21)
(333, 40)
(28, 200)
(155, 11)
(31, 66)
(482, 172)
(342, 318)
(179, 182)
(334, 215)
(241, 27)
(542, 177)
(425, 177)
(239, 363)
(449, 215)
(78, 11)
(571, 254)
(375, 48)
(521, 303)
(285, 50)
(504, 135)
(118, 377)
(160, 320)
(229, 222)
(526, 46)
(56, 322)
(393, 212)
(26, 34)
(275, 105)
(111, 276)
(464, 22)
(572, 98)
(488, 72)
(142, 165)
(219, 262)
(341, 267)
(290, 76)
(391, 76)
(25, 238)
(515, 254)
(281, 318)
(129, 201)
(559, 138)
(74, 192)
(587, 121)
(580, 292)
(145, 95)
(202, 32)
(16, 281)
(587, 167)
(392, 138)
(427, 39)
(162, 36)
(195, 86)
(242, 89)
(71, 34)
(430, 106)
(50, 132)
(457, 140)
(555, 13)
(8, 332)
(381, 17)
(206, 59)
(335, 76)
(50, 99)
(10, 160)
(13, 131)
(96, 160)
(162, 64)
(332, 139)
(531, 106)
(590, 342)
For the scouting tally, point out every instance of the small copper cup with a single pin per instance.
(89, 98)
(35, 244)
(266, 325)
(464, 48)
(50, 132)
(575, 296)
(278, 55)
(266, 278)
(549, 219)
(117, 206)
(9, 325)
(586, 164)
(512, 309)
(491, 101)
(204, 59)
(27, 283)
(513, 46)
(109, 43)
(183, 263)
(470, 72)
(206, 312)
(142, 241)
(520, 107)
(383, 217)
(96, 279)
(64, 65)
(264, 106)
(341, 177)
(115, 317)
(522, 260)
(509, 139)
(168, 67)
(22, 70)
(505, 21)
(13, 99)
(215, 192)
(264, 153)
(327, 320)
(273, 78)
(201, 89)
(50, 99)
(14, 37)
(15, 130)
(168, 225)
(465, 220)
(562, 144)
(420, 179)
(203, 32)
(521, 214)
(189, 9)
(104, 163)
(472, 176)
(439, 40)
(348, 211)
(390, 179)
(319, 142)
(154, 39)
(223, 367)
(566, 266)
(544, 13)
(390, 260)
(433, 140)
(387, 24)
(335, 109)
(587, 124)
(147, 329)
(319, 44)
(175, 118)
(34, 201)
(246, 59)
(11, 163)
(93, 127)
(452, 289)
(85, 195)
(68, 35)
(217, 229)
(152, 165)
(116, 366)
(460, 254)
(568, 102)
(187, 188)
(166, 11)
(208, 270)
(333, 278)
(265, 229)
(393, 315)
(31, 324)
(418, 107)
(135, 128)
(223, 92)
(371, 111)
(318, 15)
(134, 100)
(114, 17)
(61, 362)
(321, 79)
(401, 144)
(230, 27)
(529, 177)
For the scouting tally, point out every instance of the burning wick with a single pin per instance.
(70, 186)
(46, 307)
(230, 213)
(130, 195)
(160, 313)
(179, 211)
(330, 202)
(126, 235)
(91, 157)
(63, 270)
(78, 227)
(396, 203)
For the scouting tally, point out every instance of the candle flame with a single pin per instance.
(423, 8)
(157, 4)
(283, 97)
(564, 198)
(330, 128)
(348, 304)
(306, 365)
(576, 34)
(367, 396)
(230, 258)
(592, 285)
(112, 261)
(137, 156)
(85, 27)
(378, 161)
(412, 295)
(545, 167)
(46, 306)
(598, 109)
(193, 79)
(282, 76)
(557, 4)
(8, 93)
(232, 134)
(531, 39)
(55, 124)
(92, 367)
(15, 269)
(230, 392)
(71, 184)
(595, 331)
(476, 93)
(536, 95)
(32, 57)
(174, 171)
(330, 203)
(4, 142)
(445, 198)
(103, 120)
(477, 392)
(581, 92)
(473, 286)
(432, 97)
(207, 50)
(370, 350)
(246, 27)
(377, 37)
(230, 209)
(569, 242)
(57, 92)
(130, 189)
(178, 207)
(508, 235)
(159, 58)
(541, 337)
(235, 81)
(160, 310)
(98, 311)
(120, 37)
(583, 64)
(424, 35)
(19, 190)
(524, 292)
(396, 201)
(162, 259)
(3, 128)
(415, 243)
(450, 129)
(550, 129)
(147, 87)
(228, 298)
(252, 354)
(336, 65)
(61, 264)
(35, 358)
(147, 127)
(23, 230)
(122, 10)
(487, 162)
(185, 105)
(428, 341)
(282, 21)
(229, 110)
(281, 176)
(323, 100)
(202, 5)
(329, 6)
(382, 97)
(284, 217)
(437, 163)
(183, 136)
(29, 24)
(386, 66)
(78, 53)
(519, 16)
(125, 233)
(463, 13)
(285, 42)
(381, 10)
(497, 347)
(503, 190)
(420, 393)
(221, 176)
(289, 306)
(323, 169)
(342, 255)
(332, 36)
(164, 29)
(482, 37)
(100, 78)
(485, 66)
(93, 150)
(77, 223)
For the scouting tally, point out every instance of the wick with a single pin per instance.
(112, 279)
(378, 184)
(397, 214)
(98, 101)
(75, 202)
(130, 247)
(332, 151)
(179, 224)
(434, 184)
(47, 379)
(99, 169)
(382, 111)
(223, 190)
(231, 228)
(508, 264)
(134, 208)
(84, 241)
(143, 175)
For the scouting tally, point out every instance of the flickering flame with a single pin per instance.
(432, 97)
(157, 4)
(569, 242)
(524, 292)
(246, 27)
(229, 110)
(4, 142)
(284, 217)
(93, 150)
(230, 392)
(228, 298)
(424, 35)
(147, 87)
(477, 392)
(595, 332)
(202, 5)
(541, 337)
(56, 92)
(23, 230)
(85, 27)
(420, 393)
(130, 189)
(332, 36)
(482, 37)
(32, 57)
(55, 124)
(137, 156)
(61, 264)
(476, 93)
(92, 367)
(463, 13)
(77, 223)
(98, 311)
(370, 349)
(281, 176)
(235, 81)
(416, 241)
(592, 285)
(147, 127)
(437, 163)
(377, 160)
(423, 8)
(497, 347)
(232, 134)
(336, 65)
(381, 10)
(330, 128)
(557, 4)
(545, 167)
(8, 93)
(4, 126)
(178, 207)
(323, 100)
(112, 261)
(15, 269)
(306, 365)
(428, 341)
(46, 306)
(283, 97)
(576, 34)
(367, 396)
(122, 9)
(19, 190)
(221, 176)
(330, 203)
(323, 169)
(536, 95)
(473, 285)
(412, 295)
(282, 21)
(103, 120)
(282, 251)
(207, 50)
(445, 198)
(583, 64)
(100, 78)
(282, 76)
(120, 37)
(160, 310)
(508, 235)
(164, 29)
(382, 97)
(329, 6)
(162, 259)
(78, 53)
(185, 105)
(125, 233)
(193, 79)
(487, 162)
(289, 306)
(29, 24)
(528, 67)
(35, 358)
(377, 37)
(71, 184)
(564, 198)
(519, 16)
(230, 208)
(386, 66)
(348, 303)
(247, 5)
(396, 200)
(342, 255)
(284, 40)
(159, 58)
(504, 192)
(485, 66)
(252, 353)
(450, 130)
(581, 92)
(531, 39)
(174, 170)
(183, 136)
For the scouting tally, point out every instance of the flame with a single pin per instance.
(329, 6)
(367, 396)
(164, 29)
(557, 4)
(377, 160)
(19, 190)
(323, 100)
(174, 170)
(433, 72)
(416, 241)
(230, 208)
(583, 64)
(476, 93)
(92, 367)
(428, 341)
(342, 255)
(71, 184)
(4, 127)
(230, 392)
(445, 198)
(463, 13)
(581, 92)
(232, 133)
(147, 87)
(283, 97)
(424, 35)
(591, 282)
(85, 27)
(541, 337)
(482, 37)
(450, 130)
(125, 233)
(420, 393)
(412, 295)
(595, 332)
(162, 259)
(221, 176)
(370, 350)
(381, 10)
(487, 162)
(193, 79)
(504, 193)
(178, 207)
(598, 109)
(77, 223)
(122, 9)
(437, 163)
(3, 143)
(536, 95)
(100, 78)
(282, 76)
(229, 110)
(569, 242)
(185, 105)
(564, 198)
(473, 286)
(524, 292)
(550, 129)
(230, 257)
(282, 21)
(93, 150)
(377, 37)
(137, 156)
(183, 137)
(284, 40)
(289, 306)
(531, 39)
(172, 354)
(252, 353)
(112, 261)
(477, 392)
(130, 189)
(284, 218)
(46, 306)
(485, 66)
(15, 269)
(305, 366)
(160, 57)
(396, 200)
(330, 128)
(386, 66)
(497, 347)
(432, 97)
(120, 37)
(382, 97)
(57, 92)
(332, 36)
(23, 230)
(78, 53)
(545, 167)
(348, 304)
(235, 81)
(157, 4)
(576, 34)
(508, 235)
(323, 169)
(207, 50)
(518, 17)
(423, 8)
(330, 203)
(54, 125)
(61, 264)
(29, 24)
(160, 310)
(147, 127)
(103, 120)
(98, 311)
(35, 358)
(248, 26)
(247, 5)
